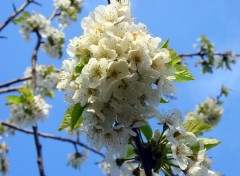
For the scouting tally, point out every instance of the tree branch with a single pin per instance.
(202, 54)
(6, 84)
(54, 14)
(11, 89)
(141, 153)
(49, 136)
(39, 151)
(16, 12)
(34, 59)
(109, 1)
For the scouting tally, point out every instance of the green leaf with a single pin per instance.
(49, 94)
(13, 99)
(208, 144)
(165, 44)
(147, 131)
(24, 16)
(79, 67)
(76, 118)
(197, 126)
(182, 74)
(130, 152)
(66, 122)
(162, 100)
(175, 59)
(72, 117)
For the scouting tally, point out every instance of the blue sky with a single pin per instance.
(180, 21)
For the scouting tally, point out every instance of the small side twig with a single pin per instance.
(15, 13)
(39, 151)
(6, 84)
(49, 136)
(11, 89)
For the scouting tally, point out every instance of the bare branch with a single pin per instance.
(109, 1)
(34, 58)
(11, 89)
(49, 136)
(201, 54)
(54, 14)
(16, 12)
(14, 81)
(39, 151)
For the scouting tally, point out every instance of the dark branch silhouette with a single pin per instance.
(15, 13)
(6, 84)
(202, 54)
(8, 90)
(49, 136)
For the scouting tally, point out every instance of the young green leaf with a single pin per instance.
(208, 144)
(13, 99)
(147, 131)
(197, 126)
(162, 100)
(182, 74)
(76, 115)
(165, 44)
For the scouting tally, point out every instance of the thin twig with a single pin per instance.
(6, 84)
(34, 80)
(109, 1)
(34, 58)
(11, 89)
(39, 151)
(49, 136)
(142, 154)
(54, 14)
(201, 54)
(16, 12)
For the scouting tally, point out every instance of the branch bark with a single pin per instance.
(201, 54)
(39, 151)
(14, 81)
(49, 136)
(12, 89)
(141, 153)
(16, 13)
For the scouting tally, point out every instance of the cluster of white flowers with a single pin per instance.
(30, 23)
(68, 11)
(181, 145)
(27, 113)
(54, 43)
(54, 38)
(76, 159)
(46, 79)
(3, 159)
(209, 111)
(118, 72)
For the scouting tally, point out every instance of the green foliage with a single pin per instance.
(130, 152)
(72, 117)
(23, 17)
(162, 100)
(182, 74)
(208, 144)
(79, 67)
(165, 44)
(197, 126)
(175, 59)
(147, 131)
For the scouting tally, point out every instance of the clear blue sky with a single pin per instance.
(180, 21)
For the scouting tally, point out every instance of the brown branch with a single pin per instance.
(15, 13)
(54, 14)
(39, 151)
(34, 80)
(11, 89)
(49, 136)
(145, 164)
(202, 54)
(34, 59)
(6, 84)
